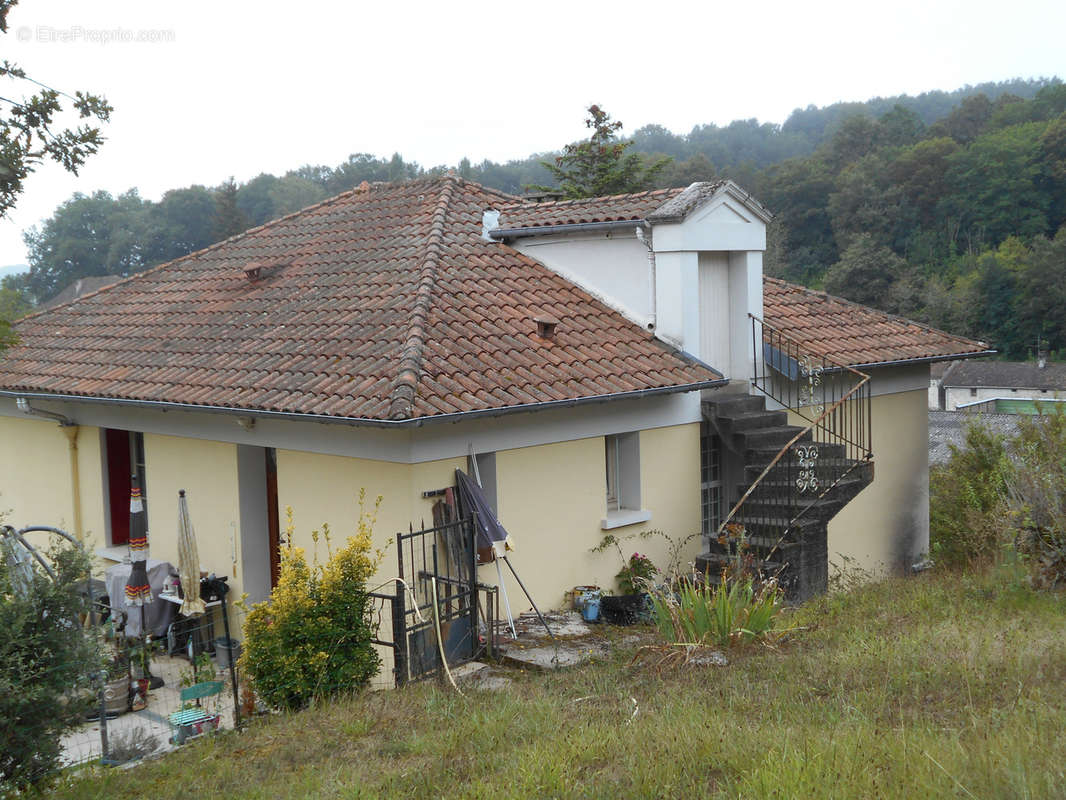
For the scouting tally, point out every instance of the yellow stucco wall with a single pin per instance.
(36, 481)
(207, 471)
(887, 525)
(552, 499)
(323, 488)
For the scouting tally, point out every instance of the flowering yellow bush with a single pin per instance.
(312, 638)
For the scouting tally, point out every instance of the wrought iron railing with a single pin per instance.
(832, 402)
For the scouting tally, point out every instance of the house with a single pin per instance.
(1011, 387)
(613, 364)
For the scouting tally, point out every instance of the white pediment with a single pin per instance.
(722, 210)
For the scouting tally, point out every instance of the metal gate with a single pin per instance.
(437, 597)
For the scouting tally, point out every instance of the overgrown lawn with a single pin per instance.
(944, 685)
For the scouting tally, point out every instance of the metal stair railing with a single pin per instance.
(834, 400)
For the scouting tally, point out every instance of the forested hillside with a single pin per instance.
(942, 207)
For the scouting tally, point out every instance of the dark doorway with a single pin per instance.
(125, 456)
(273, 525)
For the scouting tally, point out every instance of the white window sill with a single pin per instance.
(623, 517)
(119, 553)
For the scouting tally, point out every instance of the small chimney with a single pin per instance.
(490, 221)
(546, 327)
(252, 271)
(1041, 359)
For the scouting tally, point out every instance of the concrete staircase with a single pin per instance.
(786, 515)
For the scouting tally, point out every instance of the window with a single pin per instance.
(973, 393)
(710, 480)
(124, 451)
(622, 473)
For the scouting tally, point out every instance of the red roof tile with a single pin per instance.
(615, 208)
(853, 334)
(383, 303)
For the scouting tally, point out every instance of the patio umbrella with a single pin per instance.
(138, 591)
(188, 561)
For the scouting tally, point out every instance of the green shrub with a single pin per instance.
(45, 658)
(968, 519)
(313, 638)
(1036, 495)
(733, 612)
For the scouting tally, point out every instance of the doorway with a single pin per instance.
(257, 487)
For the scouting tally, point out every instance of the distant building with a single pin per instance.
(1008, 387)
(80, 288)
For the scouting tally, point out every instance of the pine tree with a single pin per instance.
(601, 164)
(229, 219)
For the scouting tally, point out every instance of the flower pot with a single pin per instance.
(623, 609)
(590, 607)
(577, 595)
(117, 696)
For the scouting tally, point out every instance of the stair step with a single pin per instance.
(752, 420)
(773, 436)
(735, 405)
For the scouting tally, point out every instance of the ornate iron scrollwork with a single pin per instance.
(808, 462)
(810, 380)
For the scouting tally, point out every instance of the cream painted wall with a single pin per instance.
(552, 499)
(207, 471)
(35, 477)
(326, 489)
(887, 525)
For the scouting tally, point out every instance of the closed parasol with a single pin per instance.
(138, 591)
(188, 561)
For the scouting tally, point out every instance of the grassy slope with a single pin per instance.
(939, 686)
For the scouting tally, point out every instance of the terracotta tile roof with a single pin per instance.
(853, 334)
(383, 303)
(615, 208)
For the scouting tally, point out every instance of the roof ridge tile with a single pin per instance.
(409, 369)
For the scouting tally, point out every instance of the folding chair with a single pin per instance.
(191, 722)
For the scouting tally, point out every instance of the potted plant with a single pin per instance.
(631, 603)
(140, 652)
(116, 686)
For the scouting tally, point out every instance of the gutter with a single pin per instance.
(924, 360)
(415, 422)
(572, 227)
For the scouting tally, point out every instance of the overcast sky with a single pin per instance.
(205, 90)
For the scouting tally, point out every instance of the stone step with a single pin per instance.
(773, 437)
(735, 405)
(752, 420)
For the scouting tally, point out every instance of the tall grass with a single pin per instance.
(940, 685)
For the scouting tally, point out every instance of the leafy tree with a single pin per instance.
(995, 185)
(28, 136)
(87, 236)
(45, 656)
(865, 272)
(601, 164)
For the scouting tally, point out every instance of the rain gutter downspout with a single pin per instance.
(70, 430)
(416, 422)
(645, 239)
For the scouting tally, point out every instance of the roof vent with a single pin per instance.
(490, 221)
(253, 270)
(546, 327)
